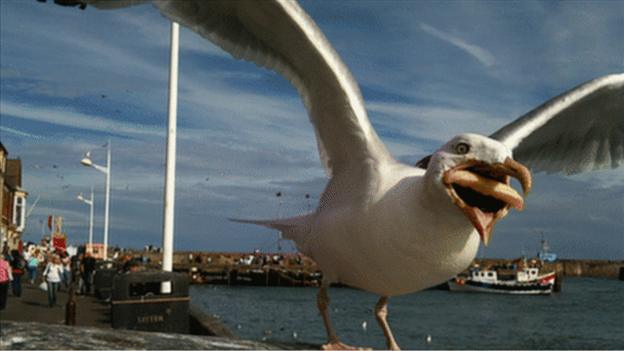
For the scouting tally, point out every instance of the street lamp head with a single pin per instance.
(86, 160)
(82, 199)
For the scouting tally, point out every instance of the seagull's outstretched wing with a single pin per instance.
(580, 130)
(279, 35)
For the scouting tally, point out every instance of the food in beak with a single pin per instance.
(483, 192)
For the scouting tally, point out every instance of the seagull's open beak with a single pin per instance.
(483, 193)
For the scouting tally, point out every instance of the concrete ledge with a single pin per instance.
(201, 323)
(40, 336)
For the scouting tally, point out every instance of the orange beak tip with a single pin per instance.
(486, 242)
(485, 236)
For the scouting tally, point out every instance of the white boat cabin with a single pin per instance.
(490, 276)
(485, 276)
(528, 274)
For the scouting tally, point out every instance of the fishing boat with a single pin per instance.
(544, 254)
(503, 280)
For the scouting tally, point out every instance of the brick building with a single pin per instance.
(12, 200)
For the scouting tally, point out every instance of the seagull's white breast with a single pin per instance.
(400, 238)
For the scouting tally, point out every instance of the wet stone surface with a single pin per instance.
(39, 336)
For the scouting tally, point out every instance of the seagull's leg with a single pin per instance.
(381, 313)
(322, 301)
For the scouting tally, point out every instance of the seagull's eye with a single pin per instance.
(462, 148)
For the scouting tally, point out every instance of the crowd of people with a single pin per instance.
(49, 269)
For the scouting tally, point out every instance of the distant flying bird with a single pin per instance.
(383, 226)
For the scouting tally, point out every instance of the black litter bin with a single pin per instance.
(138, 302)
(103, 283)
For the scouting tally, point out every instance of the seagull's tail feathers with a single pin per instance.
(293, 228)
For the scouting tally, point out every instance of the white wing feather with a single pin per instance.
(578, 131)
(279, 35)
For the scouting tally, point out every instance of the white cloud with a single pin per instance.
(20, 133)
(68, 118)
(438, 123)
(482, 55)
(602, 179)
(156, 31)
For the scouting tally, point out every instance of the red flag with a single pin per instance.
(59, 242)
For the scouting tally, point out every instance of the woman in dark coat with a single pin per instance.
(18, 268)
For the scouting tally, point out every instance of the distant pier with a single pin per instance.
(292, 269)
(232, 269)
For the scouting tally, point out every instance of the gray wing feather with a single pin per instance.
(578, 131)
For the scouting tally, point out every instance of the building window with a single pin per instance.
(19, 213)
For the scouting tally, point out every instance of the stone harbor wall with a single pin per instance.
(40, 336)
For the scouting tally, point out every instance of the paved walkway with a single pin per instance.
(41, 327)
(32, 306)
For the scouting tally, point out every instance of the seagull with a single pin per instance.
(383, 226)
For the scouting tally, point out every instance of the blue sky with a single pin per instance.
(72, 79)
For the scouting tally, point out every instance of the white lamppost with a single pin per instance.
(86, 161)
(90, 203)
(169, 198)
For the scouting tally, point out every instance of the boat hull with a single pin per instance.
(543, 286)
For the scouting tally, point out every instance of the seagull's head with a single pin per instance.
(475, 172)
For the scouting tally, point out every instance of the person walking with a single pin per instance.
(53, 275)
(18, 267)
(5, 277)
(5, 252)
(77, 270)
(33, 264)
(87, 266)
(66, 262)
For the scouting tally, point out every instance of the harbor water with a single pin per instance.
(588, 314)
